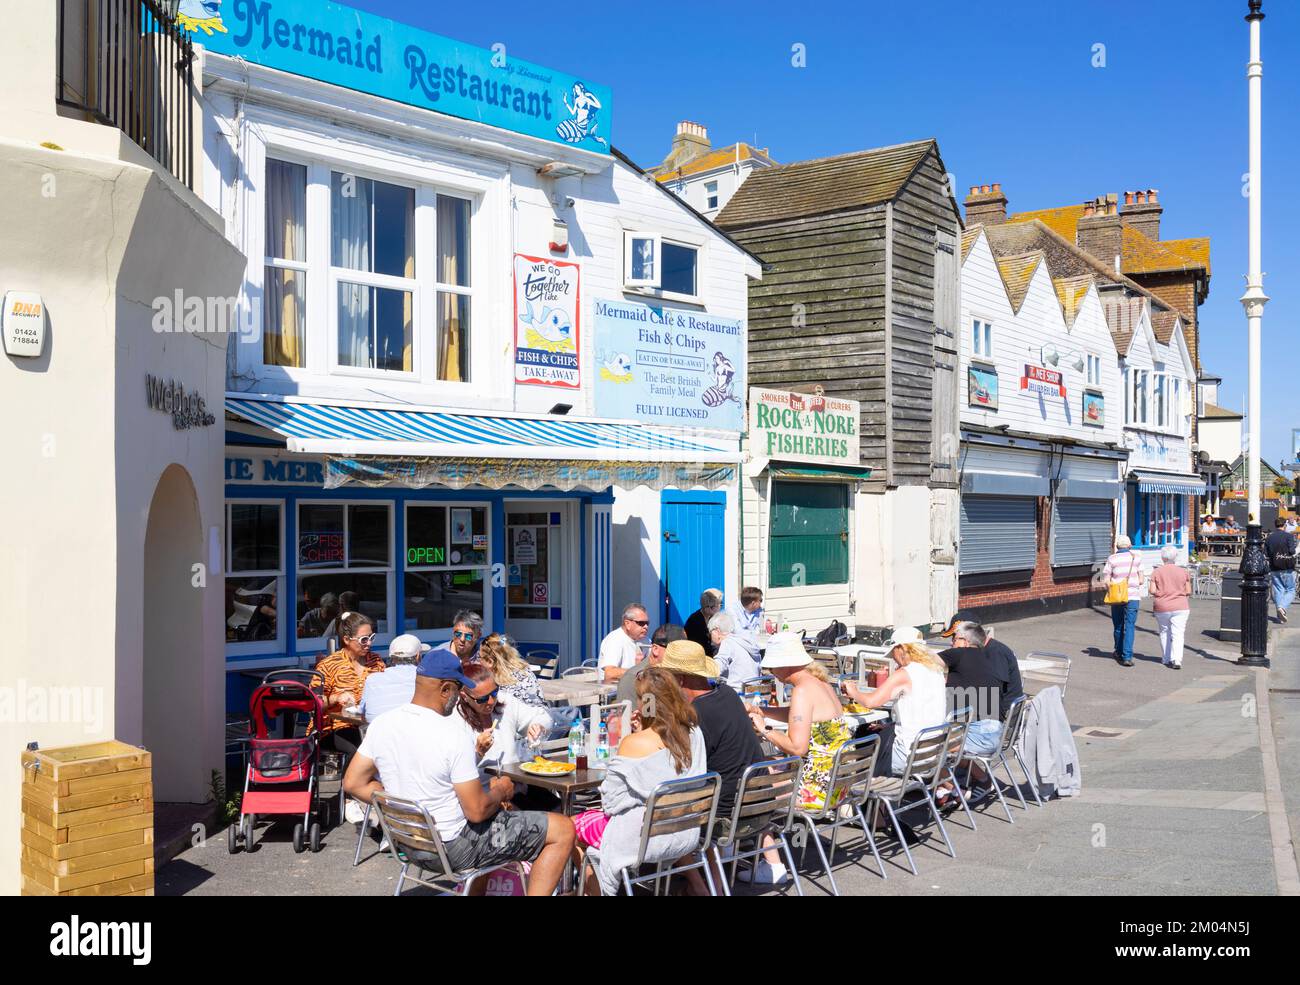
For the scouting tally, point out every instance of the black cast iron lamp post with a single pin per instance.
(1254, 562)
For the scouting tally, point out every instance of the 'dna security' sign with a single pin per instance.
(24, 324)
(803, 427)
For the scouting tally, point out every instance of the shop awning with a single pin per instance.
(381, 446)
(1169, 483)
(844, 472)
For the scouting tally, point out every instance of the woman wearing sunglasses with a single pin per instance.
(498, 726)
(345, 673)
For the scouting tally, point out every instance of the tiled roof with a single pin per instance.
(1162, 324)
(719, 158)
(1071, 291)
(1140, 254)
(1215, 412)
(968, 237)
(1017, 274)
(824, 185)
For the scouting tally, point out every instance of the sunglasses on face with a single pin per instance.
(485, 699)
(364, 640)
(462, 636)
(640, 622)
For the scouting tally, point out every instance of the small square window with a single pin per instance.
(680, 263)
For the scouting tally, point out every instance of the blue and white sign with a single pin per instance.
(668, 366)
(346, 47)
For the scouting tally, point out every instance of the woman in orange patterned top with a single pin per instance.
(345, 674)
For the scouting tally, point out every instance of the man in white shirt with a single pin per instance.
(425, 755)
(748, 614)
(395, 686)
(619, 652)
(737, 656)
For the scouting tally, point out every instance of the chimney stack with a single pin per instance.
(986, 205)
(1142, 210)
(690, 142)
(1100, 229)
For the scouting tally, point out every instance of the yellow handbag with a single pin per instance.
(1117, 590)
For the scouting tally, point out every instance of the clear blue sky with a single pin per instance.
(1009, 90)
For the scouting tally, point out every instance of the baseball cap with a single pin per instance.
(407, 645)
(443, 665)
(962, 615)
(904, 635)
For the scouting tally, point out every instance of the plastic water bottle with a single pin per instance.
(577, 738)
(602, 744)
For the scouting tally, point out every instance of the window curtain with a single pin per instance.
(351, 225)
(285, 290)
(449, 334)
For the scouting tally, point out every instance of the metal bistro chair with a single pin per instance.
(959, 720)
(853, 771)
(409, 829)
(674, 805)
(546, 662)
(1057, 673)
(829, 659)
(765, 803)
(925, 762)
(1011, 729)
(581, 672)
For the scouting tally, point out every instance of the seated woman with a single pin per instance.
(510, 670)
(665, 744)
(344, 673)
(917, 689)
(496, 725)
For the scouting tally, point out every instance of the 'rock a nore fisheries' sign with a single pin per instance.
(346, 47)
(803, 427)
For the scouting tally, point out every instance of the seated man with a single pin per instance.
(1003, 657)
(466, 635)
(619, 650)
(395, 686)
(748, 614)
(697, 624)
(976, 679)
(737, 655)
(424, 754)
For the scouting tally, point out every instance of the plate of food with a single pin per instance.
(540, 766)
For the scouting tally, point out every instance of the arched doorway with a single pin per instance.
(172, 691)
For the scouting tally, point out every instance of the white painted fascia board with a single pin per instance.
(310, 97)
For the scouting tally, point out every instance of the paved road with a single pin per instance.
(1175, 790)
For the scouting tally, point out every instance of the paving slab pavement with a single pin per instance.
(1174, 804)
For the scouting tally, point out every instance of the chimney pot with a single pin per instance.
(974, 189)
(997, 187)
(1151, 195)
(984, 189)
(1128, 198)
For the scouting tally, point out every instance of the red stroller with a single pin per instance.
(282, 774)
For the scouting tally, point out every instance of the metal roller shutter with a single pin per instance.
(1081, 530)
(998, 533)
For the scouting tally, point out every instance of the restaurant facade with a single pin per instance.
(490, 364)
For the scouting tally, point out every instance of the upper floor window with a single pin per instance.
(711, 194)
(650, 261)
(1094, 370)
(389, 276)
(982, 339)
(1136, 410)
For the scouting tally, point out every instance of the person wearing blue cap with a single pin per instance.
(420, 752)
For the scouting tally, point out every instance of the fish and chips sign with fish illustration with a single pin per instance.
(547, 304)
(362, 51)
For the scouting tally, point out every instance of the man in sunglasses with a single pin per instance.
(466, 635)
(619, 650)
(423, 752)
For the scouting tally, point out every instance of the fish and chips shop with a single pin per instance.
(481, 360)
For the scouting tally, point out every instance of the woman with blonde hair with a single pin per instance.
(665, 744)
(511, 672)
(917, 689)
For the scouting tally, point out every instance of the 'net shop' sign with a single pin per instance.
(346, 47)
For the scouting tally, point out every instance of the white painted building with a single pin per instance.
(703, 177)
(407, 425)
(1041, 427)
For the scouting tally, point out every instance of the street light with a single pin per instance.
(1254, 562)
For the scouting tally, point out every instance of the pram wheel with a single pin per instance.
(232, 838)
(297, 838)
(314, 836)
(247, 825)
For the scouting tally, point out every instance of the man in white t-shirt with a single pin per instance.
(424, 754)
(619, 652)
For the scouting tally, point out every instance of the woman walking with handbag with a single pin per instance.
(1125, 585)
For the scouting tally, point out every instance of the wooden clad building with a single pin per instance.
(860, 296)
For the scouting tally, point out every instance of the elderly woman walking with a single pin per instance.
(1125, 583)
(1171, 587)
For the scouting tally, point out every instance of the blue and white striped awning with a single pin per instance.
(328, 429)
(1168, 483)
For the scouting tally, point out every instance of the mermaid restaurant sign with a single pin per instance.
(346, 47)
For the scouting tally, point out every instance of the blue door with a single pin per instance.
(692, 557)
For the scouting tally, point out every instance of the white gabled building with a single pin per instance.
(703, 177)
(1041, 426)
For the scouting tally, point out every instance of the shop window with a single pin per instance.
(284, 290)
(344, 564)
(809, 534)
(255, 571)
(447, 553)
(1155, 519)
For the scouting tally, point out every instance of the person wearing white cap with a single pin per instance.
(918, 685)
(396, 685)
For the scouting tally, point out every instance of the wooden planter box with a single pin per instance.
(87, 821)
